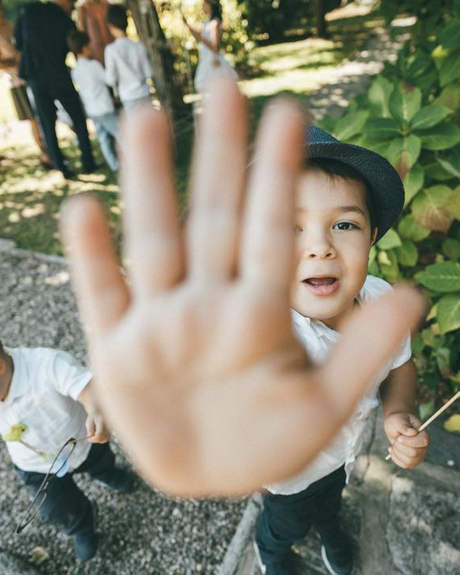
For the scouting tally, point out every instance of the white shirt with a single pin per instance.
(318, 340)
(43, 396)
(127, 68)
(89, 76)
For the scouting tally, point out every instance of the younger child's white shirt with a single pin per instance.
(89, 76)
(318, 340)
(43, 396)
(127, 68)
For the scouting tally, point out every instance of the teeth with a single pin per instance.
(320, 281)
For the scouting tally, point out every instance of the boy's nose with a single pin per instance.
(319, 248)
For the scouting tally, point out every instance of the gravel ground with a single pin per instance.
(143, 532)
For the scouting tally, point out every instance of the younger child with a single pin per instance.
(48, 394)
(127, 65)
(348, 198)
(89, 76)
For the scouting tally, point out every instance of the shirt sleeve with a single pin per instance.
(111, 78)
(69, 376)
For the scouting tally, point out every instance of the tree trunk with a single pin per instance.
(148, 26)
(320, 17)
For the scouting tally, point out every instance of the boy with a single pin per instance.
(348, 197)
(127, 65)
(89, 76)
(49, 395)
(197, 365)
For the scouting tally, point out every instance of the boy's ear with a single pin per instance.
(2, 366)
(374, 233)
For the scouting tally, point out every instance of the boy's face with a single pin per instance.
(333, 242)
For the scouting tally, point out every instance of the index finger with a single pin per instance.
(416, 441)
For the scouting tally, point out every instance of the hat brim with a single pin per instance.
(384, 182)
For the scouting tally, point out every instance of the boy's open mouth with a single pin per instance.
(321, 285)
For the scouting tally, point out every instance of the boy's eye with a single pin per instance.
(344, 226)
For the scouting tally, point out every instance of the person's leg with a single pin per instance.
(44, 103)
(285, 519)
(70, 100)
(106, 136)
(337, 551)
(100, 465)
(66, 506)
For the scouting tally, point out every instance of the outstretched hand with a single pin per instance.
(196, 365)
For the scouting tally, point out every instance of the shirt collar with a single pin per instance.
(20, 379)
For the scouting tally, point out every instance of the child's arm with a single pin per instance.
(195, 360)
(96, 427)
(409, 448)
(111, 76)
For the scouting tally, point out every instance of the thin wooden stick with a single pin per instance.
(434, 416)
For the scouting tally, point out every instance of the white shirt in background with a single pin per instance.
(89, 76)
(127, 68)
(318, 340)
(43, 396)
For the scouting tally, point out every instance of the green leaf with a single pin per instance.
(379, 96)
(408, 228)
(407, 253)
(441, 137)
(450, 35)
(405, 102)
(426, 409)
(430, 208)
(413, 182)
(417, 344)
(451, 249)
(351, 125)
(382, 129)
(403, 153)
(434, 171)
(450, 68)
(450, 162)
(388, 262)
(389, 241)
(449, 313)
(429, 116)
(450, 97)
(454, 203)
(442, 278)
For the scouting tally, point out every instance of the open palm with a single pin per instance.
(196, 365)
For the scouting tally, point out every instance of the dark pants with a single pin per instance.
(66, 506)
(63, 90)
(288, 518)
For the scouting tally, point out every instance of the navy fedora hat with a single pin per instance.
(385, 185)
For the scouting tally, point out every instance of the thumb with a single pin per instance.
(369, 340)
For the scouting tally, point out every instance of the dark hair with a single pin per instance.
(117, 15)
(337, 169)
(2, 350)
(76, 41)
(216, 9)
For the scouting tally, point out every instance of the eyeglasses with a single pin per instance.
(59, 467)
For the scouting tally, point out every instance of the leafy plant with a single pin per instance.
(411, 115)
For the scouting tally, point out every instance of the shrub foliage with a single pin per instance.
(411, 115)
